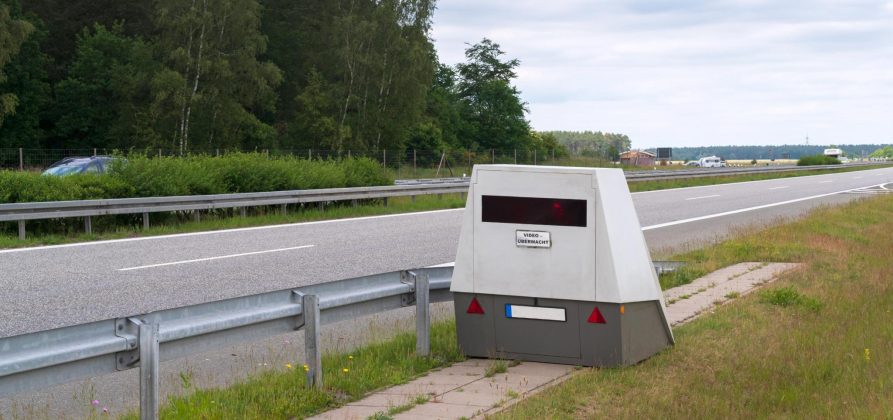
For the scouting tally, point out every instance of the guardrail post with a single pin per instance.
(145, 220)
(243, 212)
(385, 201)
(516, 156)
(312, 351)
(149, 349)
(422, 316)
(88, 225)
(412, 197)
(21, 230)
(284, 209)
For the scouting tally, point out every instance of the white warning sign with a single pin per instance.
(533, 239)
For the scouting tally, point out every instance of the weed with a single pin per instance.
(732, 295)
(496, 366)
(787, 296)
(512, 394)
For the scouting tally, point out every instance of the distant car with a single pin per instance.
(711, 162)
(691, 163)
(80, 165)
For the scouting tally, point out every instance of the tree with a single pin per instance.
(885, 152)
(66, 20)
(214, 85)
(491, 108)
(13, 33)
(371, 60)
(104, 100)
(26, 81)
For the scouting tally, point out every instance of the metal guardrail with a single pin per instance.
(45, 358)
(22, 212)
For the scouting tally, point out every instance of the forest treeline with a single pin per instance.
(199, 75)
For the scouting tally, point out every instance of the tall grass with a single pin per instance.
(815, 345)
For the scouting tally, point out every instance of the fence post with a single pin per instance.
(468, 152)
(493, 156)
(149, 371)
(534, 156)
(516, 156)
(94, 151)
(21, 159)
(422, 316)
(21, 230)
(145, 220)
(309, 154)
(312, 351)
(88, 225)
(414, 164)
(384, 158)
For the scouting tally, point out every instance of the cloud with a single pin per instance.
(674, 73)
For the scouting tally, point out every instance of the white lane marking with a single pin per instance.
(705, 196)
(219, 232)
(780, 188)
(764, 206)
(825, 182)
(216, 258)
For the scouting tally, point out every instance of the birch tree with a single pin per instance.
(214, 84)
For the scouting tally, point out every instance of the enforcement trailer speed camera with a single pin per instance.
(552, 266)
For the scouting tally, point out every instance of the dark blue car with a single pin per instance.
(80, 165)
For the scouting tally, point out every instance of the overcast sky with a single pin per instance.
(692, 73)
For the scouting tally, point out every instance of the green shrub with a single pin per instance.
(817, 160)
(143, 176)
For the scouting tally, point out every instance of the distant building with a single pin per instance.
(637, 158)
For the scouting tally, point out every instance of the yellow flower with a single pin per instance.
(345, 370)
(350, 357)
(306, 368)
(288, 366)
(867, 355)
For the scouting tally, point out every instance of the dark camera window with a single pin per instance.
(533, 210)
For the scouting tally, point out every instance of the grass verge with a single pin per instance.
(347, 377)
(815, 344)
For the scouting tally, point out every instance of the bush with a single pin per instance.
(817, 160)
(143, 176)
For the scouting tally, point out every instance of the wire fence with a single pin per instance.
(410, 163)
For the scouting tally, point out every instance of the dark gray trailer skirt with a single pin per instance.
(625, 333)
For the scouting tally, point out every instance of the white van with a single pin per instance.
(711, 162)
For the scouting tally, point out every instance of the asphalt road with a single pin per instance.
(55, 286)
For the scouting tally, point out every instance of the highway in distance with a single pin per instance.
(55, 286)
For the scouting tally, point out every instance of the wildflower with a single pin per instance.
(306, 368)
(95, 403)
(867, 355)
(350, 357)
(288, 366)
(105, 410)
(345, 370)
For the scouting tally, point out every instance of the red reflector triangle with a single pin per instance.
(475, 307)
(596, 317)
